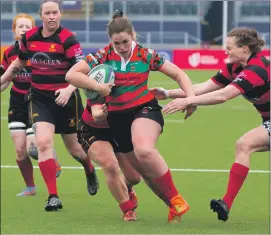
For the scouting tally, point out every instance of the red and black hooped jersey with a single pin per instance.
(252, 80)
(22, 80)
(50, 57)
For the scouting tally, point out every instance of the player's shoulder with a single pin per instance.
(65, 34)
(105, 51)
(8, 50)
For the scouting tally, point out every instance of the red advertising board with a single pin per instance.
(203, 59)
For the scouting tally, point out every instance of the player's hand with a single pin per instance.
(104, 108)
(159, 93)
(105, 89)
(179, 104)
(63, 96)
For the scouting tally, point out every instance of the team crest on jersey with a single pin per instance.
(72, 122)
(52, 48)
(242, 74)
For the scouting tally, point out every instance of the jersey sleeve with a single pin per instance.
(156, 61)
(95, 59)
(223, 77)
(249, 78)
(23, 53)
(73, 51)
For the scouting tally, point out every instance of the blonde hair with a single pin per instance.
(22, 15)
(247, 37)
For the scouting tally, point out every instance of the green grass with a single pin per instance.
(204, 141)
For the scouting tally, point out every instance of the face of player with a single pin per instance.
(22, 25)
(50, 15)
(122, 43)
(236, 54)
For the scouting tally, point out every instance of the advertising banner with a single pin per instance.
(203, 59)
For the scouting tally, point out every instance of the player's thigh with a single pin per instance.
(128, 170)
(147, 125)
(67, 117)
(256, 140)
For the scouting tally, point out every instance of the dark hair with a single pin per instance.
(247, 37)
(59, 2)
(120, 24)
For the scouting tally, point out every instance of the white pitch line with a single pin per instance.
(173, 169)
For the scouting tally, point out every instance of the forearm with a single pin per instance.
(4, 86)
(12, 70)
(212, 98)
(81, 80)
(185, 84)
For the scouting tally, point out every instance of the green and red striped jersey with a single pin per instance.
(131, 77)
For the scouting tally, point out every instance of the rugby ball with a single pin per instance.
(102, 74)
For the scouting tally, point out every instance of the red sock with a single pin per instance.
(165, 185)
(88, 167)
(126, 206)
(237, 177)
(48, 171)
(26, 169)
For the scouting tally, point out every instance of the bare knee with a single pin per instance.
(243, 147)
(44, 144)
(21, 153)
(144, 153)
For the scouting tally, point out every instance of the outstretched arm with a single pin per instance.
(211, 98)
(15, 67)
(199, 89)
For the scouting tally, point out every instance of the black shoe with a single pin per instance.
(53, 203)
(92, 183)
(221, 208)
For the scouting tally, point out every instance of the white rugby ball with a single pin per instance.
(102, 74)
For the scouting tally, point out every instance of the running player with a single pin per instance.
(55, 106)
(133, 113)
(247, 74)
(21, 131)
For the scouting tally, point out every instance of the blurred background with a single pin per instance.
(172, 24)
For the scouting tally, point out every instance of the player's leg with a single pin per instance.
(32, 149)
(43, 117)
(96, 143)
(145, 133)
(18, 119)
(102, 153)
(17, 130)
(131, 176)
(76, 151)
(256, 140)
(67, 125)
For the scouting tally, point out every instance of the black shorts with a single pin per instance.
(42, 108)
(120, 122)
(18, 109)
(87, 135)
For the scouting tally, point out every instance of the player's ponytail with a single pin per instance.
(117, 13)
(120, 24)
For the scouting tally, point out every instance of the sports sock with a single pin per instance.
(126, 206)
(26, 169)
(238, 174)
(48, 171)
(165, 185)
